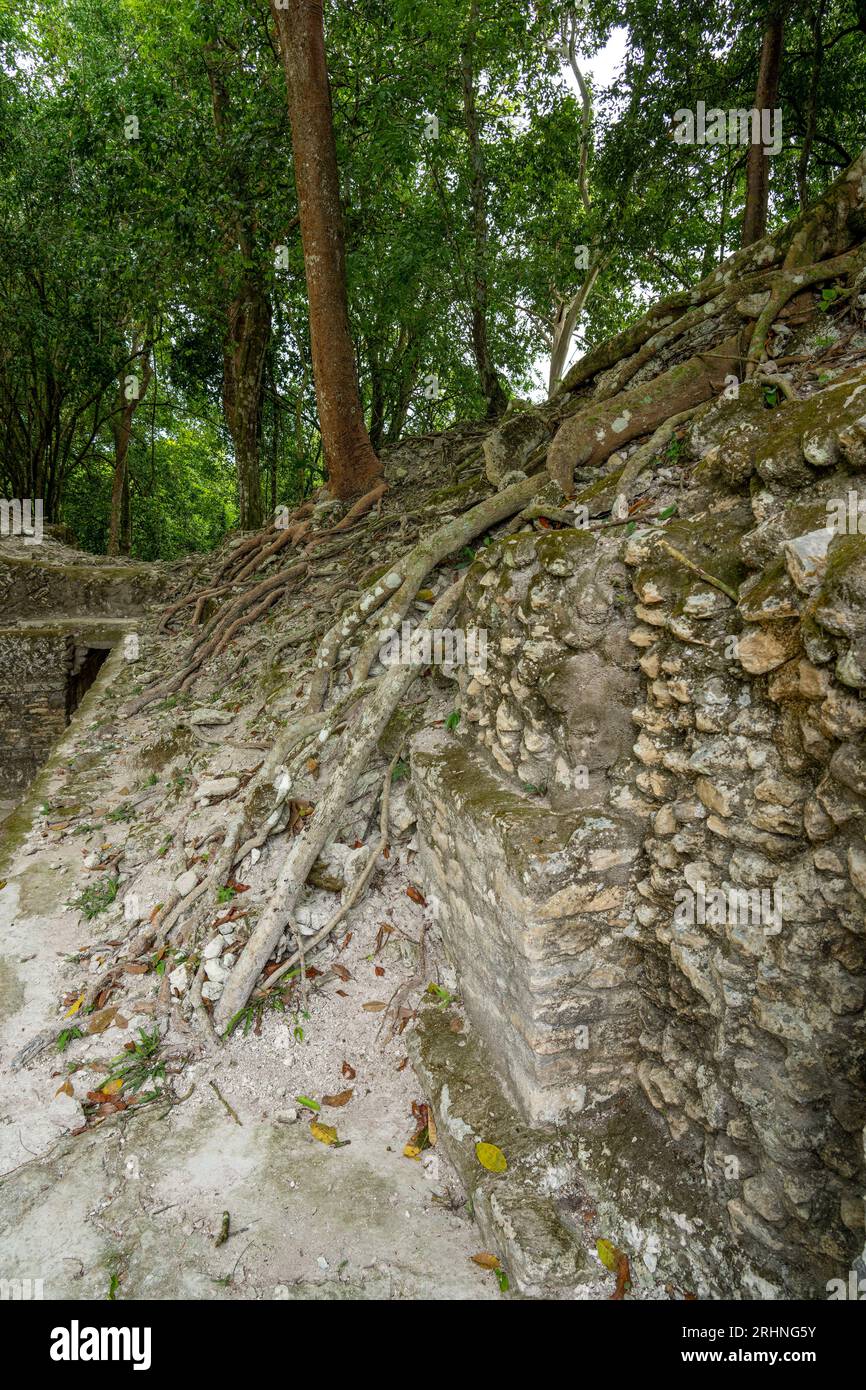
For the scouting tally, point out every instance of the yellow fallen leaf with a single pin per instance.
(411, 1151)
(65, 1089)
(73, 1008)
(608, 1254)
(112, 1087)
(485, 1259)
(326, 1134)
(491, 1158)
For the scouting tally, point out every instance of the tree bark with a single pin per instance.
(350, 460)
(119, 526)
(244, 353)
(757, 161)
(491, 386)
(248, 313)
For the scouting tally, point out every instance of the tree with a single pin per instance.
(352, 465)
(757, 158)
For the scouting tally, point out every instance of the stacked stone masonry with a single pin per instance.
(676, 718)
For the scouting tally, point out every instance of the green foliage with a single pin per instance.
(120, 252)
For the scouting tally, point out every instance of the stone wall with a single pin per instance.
(33, 693)
(646, 836)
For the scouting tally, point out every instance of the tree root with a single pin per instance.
(354, 892)
(588, 438)
(431, 551)
(305, 851)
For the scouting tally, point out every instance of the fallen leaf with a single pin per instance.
(491, 1158)
(342, 1098)
(385, 930)
(380, 970)
(348, 1071)
(341, 972)
(416, 895)
(73, 1009)
(65, 1089)
(136, 967)
(326, 1134)
(98, 1022)
(608, 1254)
(238, 887)
(401, 1066)
(374, 1006)
(623, 1278)
(485, 1259)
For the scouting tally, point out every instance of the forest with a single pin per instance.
(502, 210)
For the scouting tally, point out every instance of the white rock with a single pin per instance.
(213, 949)
(806, 558)
(179, 980)
(215, 971)
(211, 989)
(66, 1112)
(210, 716)
(216, 786)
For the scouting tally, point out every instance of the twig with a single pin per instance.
(696, 569)
(215, 1088)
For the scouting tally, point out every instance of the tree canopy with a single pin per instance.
(508, 202)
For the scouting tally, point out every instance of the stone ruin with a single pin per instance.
(646, 844)
(62, 613)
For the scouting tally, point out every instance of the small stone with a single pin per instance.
(857, 869)
(179, 980)
(210, 716)
(213, 949)
(66, 1112)
(216, 786)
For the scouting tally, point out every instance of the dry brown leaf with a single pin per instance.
(348, 1071)
(341, 971)
(485, 1259)
(416, 895)
(342, 1098)
(374, 1006)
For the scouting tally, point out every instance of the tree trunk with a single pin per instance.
(248, 328)
(350, 460)
(491, 386)
(757, 161)
(244, 353)
(120, 524)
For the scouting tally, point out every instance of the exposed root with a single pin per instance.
(431, 551)
(354, 892)
(360, 744)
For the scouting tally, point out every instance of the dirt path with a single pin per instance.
(134, 1205)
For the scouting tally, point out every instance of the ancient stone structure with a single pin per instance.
(646, 837)
(61, 614)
